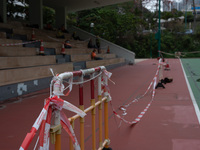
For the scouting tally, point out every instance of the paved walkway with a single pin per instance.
(169, 124)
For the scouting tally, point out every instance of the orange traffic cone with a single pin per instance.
(63, 49)
(167, 66)
(108, 50)
(41, 48)
(33, 35)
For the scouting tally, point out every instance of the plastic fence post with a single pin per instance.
(71, 147)
(106, 118)
(81, 106)
(93, 113)
(100, 111)
(58, 133)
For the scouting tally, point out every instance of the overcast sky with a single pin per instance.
(152, 4)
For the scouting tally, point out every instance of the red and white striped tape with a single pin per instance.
(44, 120)
(138, 118)
(44, 131)
(13, 44)
(29, 137)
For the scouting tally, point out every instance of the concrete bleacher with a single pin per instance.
(11, 76)
(17, 51)
(11, 42)
(22, 64)
(2, 35)
(19, 62)
(105, 62)
(87, 57)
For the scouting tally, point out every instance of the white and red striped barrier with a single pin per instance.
(141, 114)
(13, 44)
(54, 104)
(44, 120)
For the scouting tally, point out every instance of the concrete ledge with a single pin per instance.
(15, 62)
(83, 57)
(79, 44)
(10, 41)
(53, 44)
(72, 51)
(11, 76)
(106, 62)
(3, 35)
(19, 89)
(17, 51)
(6, 25)
(106, 56)
(87, 57)
(25, 31)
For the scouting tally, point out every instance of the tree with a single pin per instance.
(194, 12)
(48, 15)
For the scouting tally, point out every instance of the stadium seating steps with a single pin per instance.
(20, 63)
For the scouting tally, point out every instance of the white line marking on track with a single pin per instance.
(191, 94)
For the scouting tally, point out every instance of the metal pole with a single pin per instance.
(81, 106)
(93, 114)
(151, 46)
(71, 147)
(186, 15)
(106, 119)
(159, 33)
(58, 133)
(100, 112)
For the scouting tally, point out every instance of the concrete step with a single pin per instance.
(72, 51)
(17, 51)
(6, 30)
(79, 65)
(80, 57)
(61, 58)
(17, 36)
(105, 62)
(10, 42)
(11, 76)
(2, 35)
(86, 57)
(106, 56)
(53, 44)
(27, 61)
(6, 26)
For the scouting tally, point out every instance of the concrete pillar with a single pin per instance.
(36, 12)
(3, 11)
(60, 16)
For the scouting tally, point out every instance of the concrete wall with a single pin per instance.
(3, 11)
(60, 16)
(19, 89)
(36, 12)
(12, 76)
(116, 49)
(15, 62)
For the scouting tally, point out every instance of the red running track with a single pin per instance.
(169, 124)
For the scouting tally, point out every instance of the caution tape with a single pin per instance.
(141, 114)
(44, 119)
(13, 44)
(167, 53)
(177, 54)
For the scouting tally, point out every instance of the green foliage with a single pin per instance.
(48, 15)
(174, 14)
(190, 17)
(123, 24)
